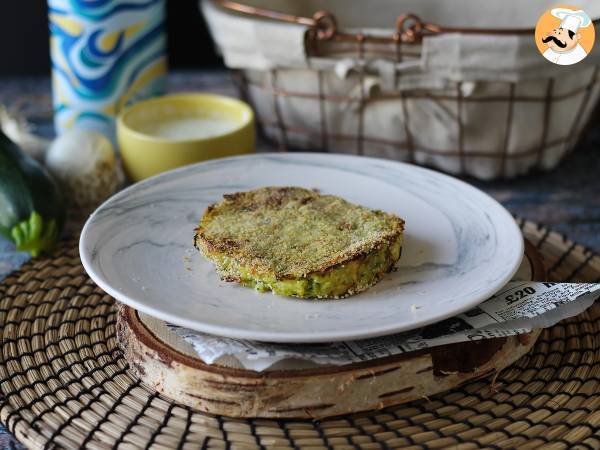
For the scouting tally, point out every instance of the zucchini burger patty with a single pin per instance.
(298, 242)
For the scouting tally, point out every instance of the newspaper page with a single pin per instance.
(518, 308)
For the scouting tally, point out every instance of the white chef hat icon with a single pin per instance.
(571, 20)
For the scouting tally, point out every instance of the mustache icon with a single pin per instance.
(555, 40)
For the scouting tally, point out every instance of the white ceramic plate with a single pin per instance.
(460, 247)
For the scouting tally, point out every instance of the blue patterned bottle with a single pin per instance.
(105, 54)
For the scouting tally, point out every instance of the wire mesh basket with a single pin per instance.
(477, 100)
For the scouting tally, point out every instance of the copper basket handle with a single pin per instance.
(322, 25)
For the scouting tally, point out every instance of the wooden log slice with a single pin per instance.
(292, 389)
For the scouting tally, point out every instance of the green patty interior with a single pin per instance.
(298, 242)
(345, 279)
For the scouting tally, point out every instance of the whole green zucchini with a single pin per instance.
(32, 211)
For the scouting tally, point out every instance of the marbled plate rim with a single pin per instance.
(336, 335)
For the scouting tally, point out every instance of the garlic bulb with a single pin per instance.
(21, 132)
(85, 165)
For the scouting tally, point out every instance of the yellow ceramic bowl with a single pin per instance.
(174, 130)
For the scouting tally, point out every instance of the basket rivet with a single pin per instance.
(325, 25)
(409, 27)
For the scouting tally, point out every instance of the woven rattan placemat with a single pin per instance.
(64, 383)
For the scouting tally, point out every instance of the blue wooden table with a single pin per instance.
(566, 199)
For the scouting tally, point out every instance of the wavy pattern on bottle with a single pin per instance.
(105, 54)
